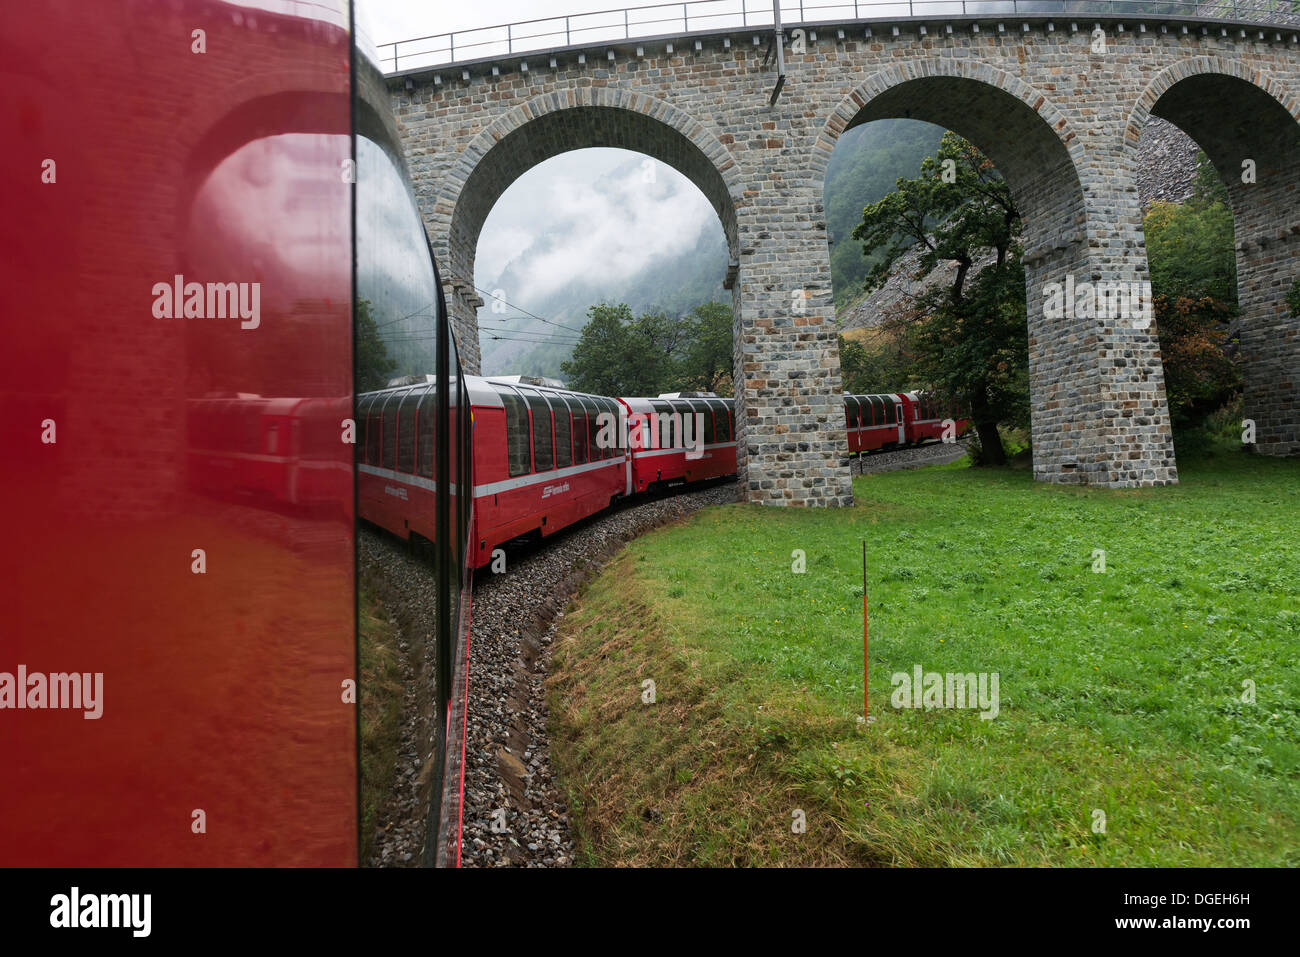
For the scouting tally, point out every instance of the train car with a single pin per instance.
(875, 421)
(543, 458)
(267, 448)
(665, 446)
(926, 415)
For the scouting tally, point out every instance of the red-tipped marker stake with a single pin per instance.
(866, 707)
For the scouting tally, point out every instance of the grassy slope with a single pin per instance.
(1119, 691)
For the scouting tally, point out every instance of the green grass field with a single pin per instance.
(1121, 693)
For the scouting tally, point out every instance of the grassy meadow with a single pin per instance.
(1148, 714)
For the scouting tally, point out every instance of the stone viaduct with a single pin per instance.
(1057, 103)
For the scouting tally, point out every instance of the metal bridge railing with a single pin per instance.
(677, 19)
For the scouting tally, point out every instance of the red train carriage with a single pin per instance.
(544, 458)
(540, 460)
(875, 421)
(897, 419)
(926, 414)
(271, 448)
(665, 446)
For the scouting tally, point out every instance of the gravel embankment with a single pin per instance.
(507, 765)
(935, 453)
(507, 762)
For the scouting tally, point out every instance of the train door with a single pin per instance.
(901, 417)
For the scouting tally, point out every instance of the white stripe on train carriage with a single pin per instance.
(538, 478)
(650, 453)
(419, 481)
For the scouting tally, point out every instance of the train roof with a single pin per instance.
(485, 390)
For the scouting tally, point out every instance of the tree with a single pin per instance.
(969, 338)
(706, 365)
(622, 354)
(1194, 282)
(1190, 245)
(1200, 376)
(600, 360)
(373, 365)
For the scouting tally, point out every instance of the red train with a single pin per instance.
(545, 458)
(898, 419)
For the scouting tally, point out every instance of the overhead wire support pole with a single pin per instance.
(780, 52)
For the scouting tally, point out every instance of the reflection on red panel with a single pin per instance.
(173, 389)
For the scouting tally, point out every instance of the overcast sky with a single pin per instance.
(389, 20)
(605, 209)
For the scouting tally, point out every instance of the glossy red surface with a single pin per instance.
(222, 692)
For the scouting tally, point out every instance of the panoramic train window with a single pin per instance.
(706, 415)
(594, 450)
(612, 408)
(374, 432)
(406, 432)
(579, 431)
(389, 451)
(363, 427)
(543, 460)
(890, 410)
(852, 411)
(720, 424)
(563, 430)
(663, 412)
(428, 416)
(517, 448)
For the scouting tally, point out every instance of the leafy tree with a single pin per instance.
(878, 362)
(373, 365)
(969, 339)
(1293, 298)
(706, 364)
(622, 354)
(1199, 374)
(1194, 281)
(601, 359)
(1190, 245)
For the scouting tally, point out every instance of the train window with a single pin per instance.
(852, 411)
(373, 430)
(721, 426)
(706, 421)
(607, 443)
(620, 446)
(363, 432)
(406, 432)
(389, 456)
(663, 413)
(890, 412)
(579, 431)
(563, 432)
(877, 410)
(593, 452)
(543, 444)
(428, 415)
(517, 448)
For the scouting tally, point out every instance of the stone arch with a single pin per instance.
(854, 109)
(1253, 117)
(1092, 417)
(1163, 81)
(548, 126)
